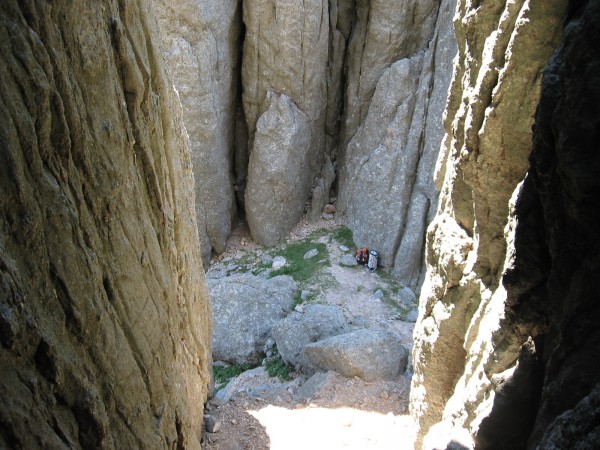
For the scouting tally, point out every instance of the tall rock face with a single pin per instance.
(480, 345)
(398, 78)
(201, 44)
(286, 51)
(104, 316)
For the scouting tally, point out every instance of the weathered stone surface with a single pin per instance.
(367, 354)
(394, 129)
(245, 310)
(320, 192)
(105, 319)
(286, 53)
(384, 32)
(279, 178)
(468, 331)
(200, 42)
(294, 332)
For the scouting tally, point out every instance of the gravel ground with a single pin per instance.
(265, 413)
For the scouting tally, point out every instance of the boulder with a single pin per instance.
(297, 330)
(245, 308)
(286, 51)
(367, 354)
(279, 178)
(348, 260)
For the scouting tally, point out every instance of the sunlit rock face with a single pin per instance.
(479, 343)
(398, 77)
(285, 91)
(104, 317)
(201, 43)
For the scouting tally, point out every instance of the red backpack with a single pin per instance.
(362, 256)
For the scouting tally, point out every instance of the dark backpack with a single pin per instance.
(362, 256)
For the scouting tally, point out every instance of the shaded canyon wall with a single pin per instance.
(507, 327)
(105, 322)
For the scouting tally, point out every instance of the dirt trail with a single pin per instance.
(266, 413)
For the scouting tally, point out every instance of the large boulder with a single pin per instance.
(367, 354)
(245, 309)
(279, 178)
(286, 51)
(297, 330)
(105, 321)
(201, 46)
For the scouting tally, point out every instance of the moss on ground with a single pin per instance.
(222, 375)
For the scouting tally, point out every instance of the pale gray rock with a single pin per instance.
(367, 354)
(406, 297)
(320, 192)
(245, 308)
(344, 248)
(313, 385)
(412, 316)
(393, 134)
(201, 45)
(212, 424)
(327, 216)
(279, 178)
(311, 253)
(286, 51)
(379, 295)
(278, 262)
(294, 332)
(385, 31)
(348, 260)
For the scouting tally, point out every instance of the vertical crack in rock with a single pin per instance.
(393, 130)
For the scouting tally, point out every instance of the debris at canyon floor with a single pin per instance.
(315, 408)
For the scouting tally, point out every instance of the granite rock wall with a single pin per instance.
(105, 321)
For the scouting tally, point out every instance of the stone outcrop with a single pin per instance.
(246, 308)
(480, 350)
(285, 57)
(201, 45)
(397, 81)
(367, 354)
(297, 330)
(104, 315)
(279, 178)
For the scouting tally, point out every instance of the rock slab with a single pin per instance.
(367, 354)
(278, 177)
(105, 321)
(245, 309)
(297, 330)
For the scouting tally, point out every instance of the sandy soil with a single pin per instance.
(342, 413)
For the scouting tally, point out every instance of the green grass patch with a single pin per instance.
(299, 268)
(222, 375)
(276, 367)
(343, 236)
